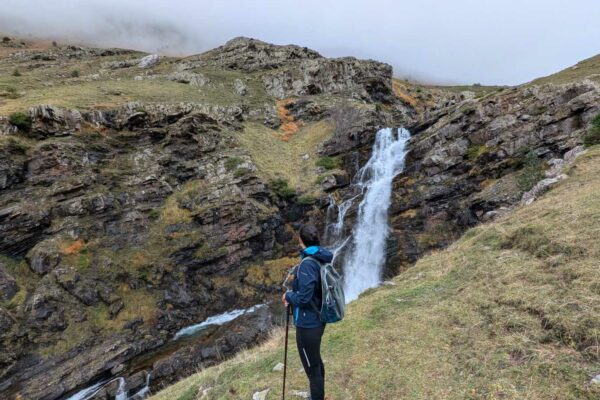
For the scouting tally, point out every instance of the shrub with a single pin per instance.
(16, 73)
(307, 199)
(5, 39)
(328, 162)
(21, 120)
(592, 136)
(281, 188)
(532, 173)
(54, 44)
(75, 73)
(474, 151)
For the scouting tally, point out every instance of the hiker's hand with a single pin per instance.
(284, 301)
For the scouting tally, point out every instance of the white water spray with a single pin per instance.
(364, 262)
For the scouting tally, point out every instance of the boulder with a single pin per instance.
(148, 61)
(240, 87)
(48, 120)
(44, 257)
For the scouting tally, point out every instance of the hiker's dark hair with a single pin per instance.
(309, 235)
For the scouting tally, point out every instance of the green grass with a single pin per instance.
(111, 88)
(509, 311)
(329, 162)
(278, 159)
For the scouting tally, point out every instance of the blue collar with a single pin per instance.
(309, 251)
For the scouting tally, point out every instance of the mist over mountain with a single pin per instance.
(492, 42)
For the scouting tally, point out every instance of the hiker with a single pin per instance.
(305, 300)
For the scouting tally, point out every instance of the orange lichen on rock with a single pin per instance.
(288, 125)
(73, 248)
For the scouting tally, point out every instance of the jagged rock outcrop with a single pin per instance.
(362, 79)
(249, 55)
(469, 160)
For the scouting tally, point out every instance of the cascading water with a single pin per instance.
(364, 259)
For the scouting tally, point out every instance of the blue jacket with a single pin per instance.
(306, 288)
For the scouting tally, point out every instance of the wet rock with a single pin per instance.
(148, 61)
(247, 330)
(334, 181)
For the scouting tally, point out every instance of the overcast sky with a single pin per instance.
(443, 41)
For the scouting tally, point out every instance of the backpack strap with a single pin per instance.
(312, 303)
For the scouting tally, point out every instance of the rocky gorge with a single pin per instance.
(123, 223)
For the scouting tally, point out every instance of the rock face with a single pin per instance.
(469, 160)
(150, 208)
(369, 80)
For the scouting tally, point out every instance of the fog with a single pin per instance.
(441, 41)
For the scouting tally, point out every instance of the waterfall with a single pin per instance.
(121, 391)
(364, 257)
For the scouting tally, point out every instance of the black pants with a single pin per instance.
(309, 348)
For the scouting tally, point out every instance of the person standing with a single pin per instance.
(305, 300)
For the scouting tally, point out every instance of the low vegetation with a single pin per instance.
(282, 188)
(532, 172)
(21, 120)
(329, 162)
(509, 311)
(592, 136)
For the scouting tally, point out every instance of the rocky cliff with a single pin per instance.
(122, 223)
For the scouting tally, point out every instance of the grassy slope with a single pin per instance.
(589, 68)
(510, 311)
(276, 158)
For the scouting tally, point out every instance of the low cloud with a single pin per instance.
(459, 41)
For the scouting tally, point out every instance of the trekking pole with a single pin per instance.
(287, 329)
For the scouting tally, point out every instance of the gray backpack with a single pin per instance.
(333, 304)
